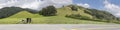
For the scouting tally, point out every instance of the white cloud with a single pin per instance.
(8, 4)
(34, 4)
(112, 8)
(84, 5)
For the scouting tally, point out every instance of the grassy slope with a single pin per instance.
(59, 19)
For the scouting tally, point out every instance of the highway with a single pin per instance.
(59, 27)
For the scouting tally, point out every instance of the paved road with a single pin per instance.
(59, 27)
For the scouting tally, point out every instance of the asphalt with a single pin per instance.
(59, 27)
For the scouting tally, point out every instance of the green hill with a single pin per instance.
(37, 19)
(25, 14)
(68, 11)
(81, 16)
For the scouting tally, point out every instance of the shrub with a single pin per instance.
(74, 8)
(78, 16)
(48, 11)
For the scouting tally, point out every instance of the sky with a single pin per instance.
(112, 6)
(34, 4)
(97, 4)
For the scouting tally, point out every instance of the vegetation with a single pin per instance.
(39, 19)
(74, 8)
(97, 15)
(64, 15)
(8, 11)
(77, 16)
(102, 15)
(48, 11)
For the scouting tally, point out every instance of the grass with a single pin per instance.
(59, 19)
(37, 19)
(50, 20)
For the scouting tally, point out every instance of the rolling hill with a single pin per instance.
(38, 19)
(81, 16)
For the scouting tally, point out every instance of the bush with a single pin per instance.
(74, 8)
(78, 16)
(48, 11)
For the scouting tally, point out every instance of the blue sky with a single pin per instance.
(112, 6)
(97, 4)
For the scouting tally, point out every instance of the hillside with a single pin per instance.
(9, 11)
(65, 15)
(68, 11)
(24, 14)
(38, 19)
(85, 13)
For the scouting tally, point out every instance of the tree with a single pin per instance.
(9, 11)
(74, 8)
(102, 15)
(48, 11)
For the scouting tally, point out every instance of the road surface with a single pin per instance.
(59, 27)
